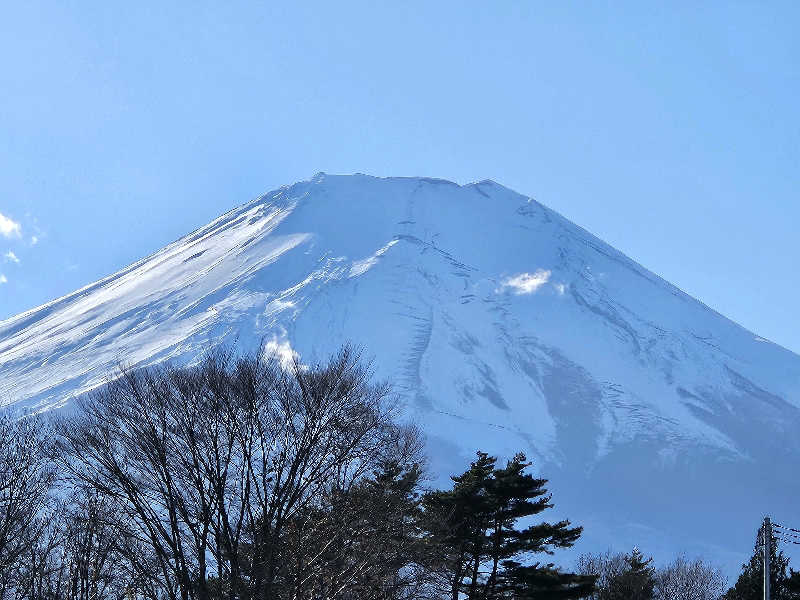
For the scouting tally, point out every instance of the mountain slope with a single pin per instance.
(502, 326)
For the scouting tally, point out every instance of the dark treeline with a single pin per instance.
(784, 581)
(633, 576)
(238, 479)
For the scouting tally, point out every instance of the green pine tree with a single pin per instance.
(475, 528)
(636, 582)
(456, 521)
(793, 585)
(543, 582)
(749, 585)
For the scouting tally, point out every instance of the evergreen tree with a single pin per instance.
(457, 520)
(636, 581)
(749, 585)
(543, 582)
(793, 585)
(474, 526)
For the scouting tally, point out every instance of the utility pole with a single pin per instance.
(767, 535)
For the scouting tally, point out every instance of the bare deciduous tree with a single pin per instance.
(26, 476)
(215, 468)
(680, 580)
(606, 567)
(683, 579)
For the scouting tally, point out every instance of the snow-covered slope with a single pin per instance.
(502, 325)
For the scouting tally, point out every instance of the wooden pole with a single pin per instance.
(767, 550)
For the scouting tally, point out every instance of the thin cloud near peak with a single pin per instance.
(526, 283)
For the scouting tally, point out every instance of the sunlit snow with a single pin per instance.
(501, 326)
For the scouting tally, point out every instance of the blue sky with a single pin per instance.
(670, 131)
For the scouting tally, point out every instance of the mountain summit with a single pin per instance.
(501, 325)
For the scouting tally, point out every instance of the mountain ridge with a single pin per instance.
(321, 174)
(502, 324)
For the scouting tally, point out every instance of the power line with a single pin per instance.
(787, 535)
(789, 530)
(787, 541)
(784, 527)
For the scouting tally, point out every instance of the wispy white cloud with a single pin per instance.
(526, 283)
(10, 257)
(3, 279)
(560, 288)
(34, 240)
(9, 227)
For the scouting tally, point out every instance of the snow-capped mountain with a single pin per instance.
(501, 325)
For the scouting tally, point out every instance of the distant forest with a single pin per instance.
(241, 479)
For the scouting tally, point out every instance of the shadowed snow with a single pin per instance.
(500, 324)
